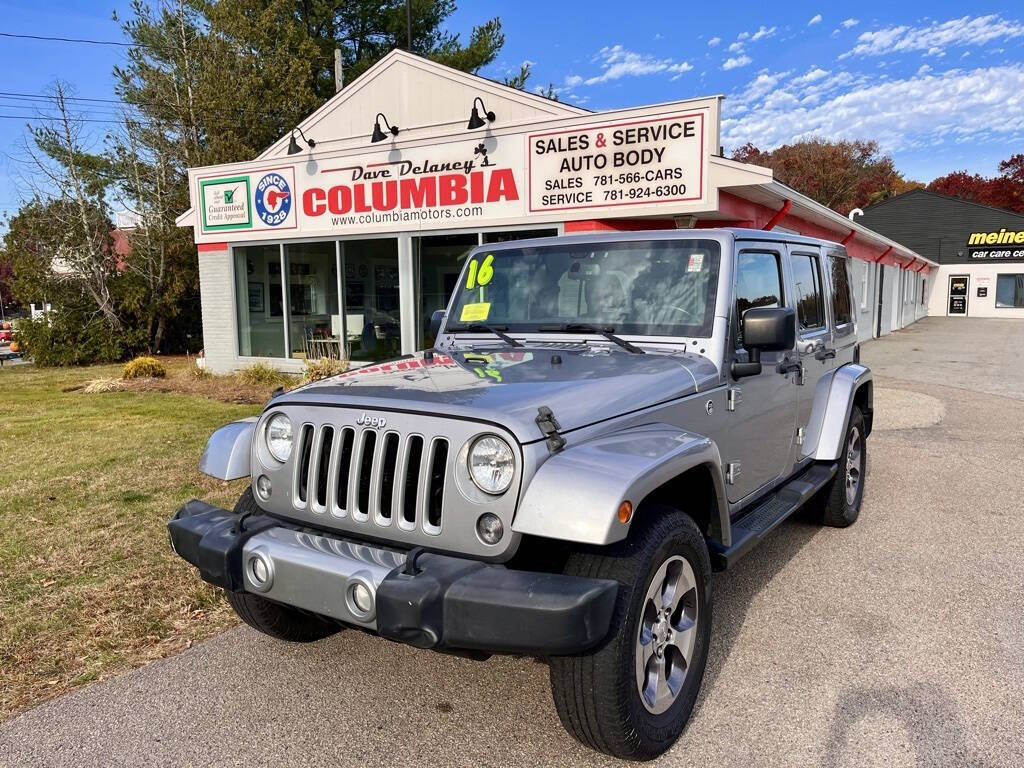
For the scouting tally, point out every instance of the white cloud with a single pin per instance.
(935, 36)
(847, 23)
(742, 35)
(762, 33)
(918, 111)
(811, 76)
(573, 80)
(924, 69)
(617, 62)
(815, 19)
(736, 61)
(714, 41)
(735, 47)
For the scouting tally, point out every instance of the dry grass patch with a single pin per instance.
(88, 584)
(250, 386)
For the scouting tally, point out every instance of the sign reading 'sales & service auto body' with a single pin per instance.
(635, 162)
(653, 160)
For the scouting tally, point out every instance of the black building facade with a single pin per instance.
(980, 251)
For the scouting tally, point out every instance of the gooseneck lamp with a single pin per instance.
(378, 134)
(293, 145)
(475, 121)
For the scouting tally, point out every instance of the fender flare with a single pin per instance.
(845, 383)
(575, 495)
(227, 451)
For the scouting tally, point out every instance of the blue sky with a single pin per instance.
(939, 85)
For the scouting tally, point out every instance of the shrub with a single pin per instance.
(262, 374)
(144, 368)
(193, 372)
(323, 368)
(72, 338)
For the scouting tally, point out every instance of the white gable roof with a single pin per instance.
(420, 96)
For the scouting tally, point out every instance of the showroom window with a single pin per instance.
(258, 290)
(1010, 291)
(314, 323)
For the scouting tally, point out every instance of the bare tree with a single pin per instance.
(59, 167)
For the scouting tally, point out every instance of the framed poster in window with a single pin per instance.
(256, 303)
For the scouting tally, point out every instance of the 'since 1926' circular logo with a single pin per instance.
(273, 199)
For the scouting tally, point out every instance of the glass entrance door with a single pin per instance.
(958, 287)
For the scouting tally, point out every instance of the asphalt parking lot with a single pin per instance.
(897, 642)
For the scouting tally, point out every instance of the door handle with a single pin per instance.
(789, 366)
(823, 353)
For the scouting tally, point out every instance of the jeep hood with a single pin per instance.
(582, 384)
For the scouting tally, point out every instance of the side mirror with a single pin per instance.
(769, 329)
(436, 320)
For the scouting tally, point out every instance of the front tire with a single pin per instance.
(841, 506)
(633, 695)
(279, 621)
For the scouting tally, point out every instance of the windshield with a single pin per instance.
(640, 288)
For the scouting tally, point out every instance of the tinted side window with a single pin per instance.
(810, 309)
(841, 306)
(758, 284)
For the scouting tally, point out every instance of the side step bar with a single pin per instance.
(749, 530)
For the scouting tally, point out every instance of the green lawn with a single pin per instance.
(88, 583)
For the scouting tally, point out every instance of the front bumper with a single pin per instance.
(445, 602)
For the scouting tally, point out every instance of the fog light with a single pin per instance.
(261, 572)
(489, 528)
(263, 487)
(360, 600)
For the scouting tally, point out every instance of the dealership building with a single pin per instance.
(979, 249)
(346, 234)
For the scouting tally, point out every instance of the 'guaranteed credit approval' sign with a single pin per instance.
(256, 200)
(634, 162)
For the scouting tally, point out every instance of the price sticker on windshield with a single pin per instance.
(480, 274)
(696, 262)
(475, 313)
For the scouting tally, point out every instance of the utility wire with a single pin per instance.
(74, 40)
(113, 43)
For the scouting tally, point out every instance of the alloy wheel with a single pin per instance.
(667, 634)
(854, 470)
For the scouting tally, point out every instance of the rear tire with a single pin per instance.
(842, 502)
(598, 694)
(279, 621)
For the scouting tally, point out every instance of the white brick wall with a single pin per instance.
(217, 295)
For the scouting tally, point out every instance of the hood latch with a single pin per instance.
(549, 426)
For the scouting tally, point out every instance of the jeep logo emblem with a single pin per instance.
(374, 422)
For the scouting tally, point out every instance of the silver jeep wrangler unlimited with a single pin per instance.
(601, 423)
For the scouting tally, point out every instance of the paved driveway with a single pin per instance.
(897, 642)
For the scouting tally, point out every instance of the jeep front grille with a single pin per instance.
(378, 479)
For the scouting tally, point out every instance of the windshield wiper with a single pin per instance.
(497, 330)
(605, 331)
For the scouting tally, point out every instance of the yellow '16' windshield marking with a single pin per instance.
(480, 274)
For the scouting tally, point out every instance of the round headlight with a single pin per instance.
(280, 437)
(491, 464)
